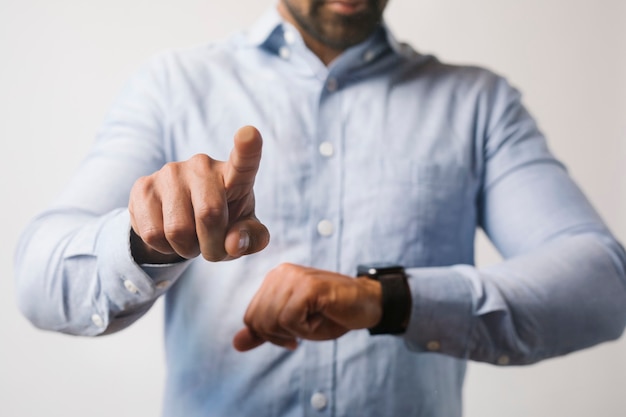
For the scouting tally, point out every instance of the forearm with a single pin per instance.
(74, 268)
(75, 274)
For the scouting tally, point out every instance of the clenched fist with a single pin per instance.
(295, 302)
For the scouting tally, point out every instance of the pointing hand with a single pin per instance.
(199, 206)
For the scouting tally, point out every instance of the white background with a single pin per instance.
(63, 61)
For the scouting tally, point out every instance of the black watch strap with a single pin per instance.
(396, 297)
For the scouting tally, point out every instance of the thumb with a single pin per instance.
(246, 340)
(245, 237)
(243, 163)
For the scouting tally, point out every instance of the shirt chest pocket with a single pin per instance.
(424, 212)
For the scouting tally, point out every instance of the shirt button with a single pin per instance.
(284, 52)
(332, 84)
(290, 37)
(503, 360)
(325, 228)
(433, 346)
(326, 149)
(97, 320)
(130, 287)
(318, 401)
(368, 56)
(162, 285)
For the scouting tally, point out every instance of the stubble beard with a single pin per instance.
(335, 30)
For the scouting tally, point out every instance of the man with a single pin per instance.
(362, 151)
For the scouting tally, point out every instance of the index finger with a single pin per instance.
(243, 163)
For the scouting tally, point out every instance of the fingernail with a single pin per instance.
(244, 241)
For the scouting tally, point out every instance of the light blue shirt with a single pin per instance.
(385, 155)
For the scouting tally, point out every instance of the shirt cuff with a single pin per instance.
(128, 286)
(442, 312)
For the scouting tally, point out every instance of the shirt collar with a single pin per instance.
(263, 29)
(268, 31)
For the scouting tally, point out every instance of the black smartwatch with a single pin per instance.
(396, 296)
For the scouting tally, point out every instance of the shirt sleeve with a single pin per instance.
(74, 270)
(561, 285)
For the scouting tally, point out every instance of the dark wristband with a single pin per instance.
(395, 294)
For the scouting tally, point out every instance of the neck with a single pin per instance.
(325, 53)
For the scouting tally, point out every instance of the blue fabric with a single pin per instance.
(403, 157)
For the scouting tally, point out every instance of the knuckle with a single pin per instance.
(142, 182)
(199, 162)
(246, 168)
(152, 235)
(170, 169)
(179, 232)
(183, 240)
(142, 187)
(283, 269)
(285, 322)
(199, 158)
(209, 213)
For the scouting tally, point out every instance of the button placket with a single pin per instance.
(318, 376)
(318, 386)
(327, 175)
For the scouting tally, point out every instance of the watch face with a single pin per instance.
(379, 268)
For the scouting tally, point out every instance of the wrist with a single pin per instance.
(395, 297)
(373, 296)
